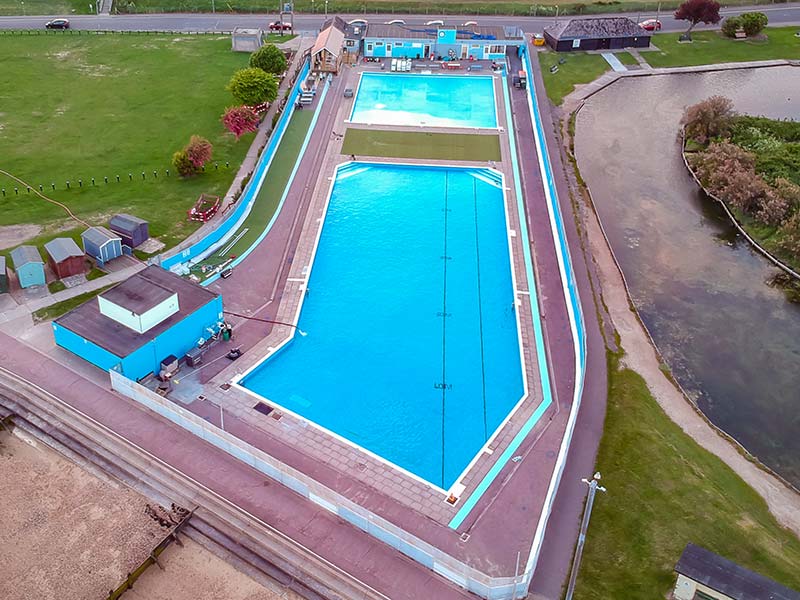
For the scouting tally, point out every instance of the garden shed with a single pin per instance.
(3, 276)
(65, 257)
(101, 244)
(326, 55)
(246, 39)
(133, 230)
(600, 33)
(29, 266)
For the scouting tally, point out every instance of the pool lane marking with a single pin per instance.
(444, 322)
(480, 308)
(289, 183)
(544, 374)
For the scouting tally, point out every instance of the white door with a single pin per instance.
(388, 49)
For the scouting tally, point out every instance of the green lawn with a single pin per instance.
(577, 68)
(77, 107)
(269, 195)
(712, 47)
(59, 308)
(626, 58)
(664, 491)
(413, 144)
(45, 7)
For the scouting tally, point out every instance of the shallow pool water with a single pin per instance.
(412, 349)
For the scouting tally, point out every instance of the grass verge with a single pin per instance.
(56, 286)
(59, 308)
(45, 7)
(664, 490)
(576, 69)
(96, 106)
(414, 144)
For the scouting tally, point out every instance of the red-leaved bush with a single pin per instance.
(240, 120)
(199, 151)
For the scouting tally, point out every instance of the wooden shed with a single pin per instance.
(3, 276)
(29, 266)
(65, 257)
(133, 230)
(596, 33)
(101, 244)
(327, 53)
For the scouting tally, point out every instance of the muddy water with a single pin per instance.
(732, 341)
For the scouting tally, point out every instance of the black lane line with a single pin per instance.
(480, 309)
(444, 321)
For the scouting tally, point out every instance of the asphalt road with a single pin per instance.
(783, 14)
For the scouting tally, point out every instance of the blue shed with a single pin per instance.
(138, 323)
(101, 244)
(29, 266)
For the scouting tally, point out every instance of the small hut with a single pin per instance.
(326, 55)
(132, 230)
(101, 244)
(29, 266)
(3, 276)
(65, 257)
(246, 39)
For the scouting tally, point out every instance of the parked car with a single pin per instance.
(437, 23)
(279, 26)
(361, 22)
(651, 25)
(395, 22)
(57, 24)
(470, 24)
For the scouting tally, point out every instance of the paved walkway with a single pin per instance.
(614, 62)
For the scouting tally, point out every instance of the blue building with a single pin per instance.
(101, 244)
(135, 325)
(29, 266)
(442, 43)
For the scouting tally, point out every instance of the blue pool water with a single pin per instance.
(431, 100)
(412, 350)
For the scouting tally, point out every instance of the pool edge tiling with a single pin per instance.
(260, 368)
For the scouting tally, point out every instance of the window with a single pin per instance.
(350, 43)
(496, 49)
(476, 46)
(378, 44)
(369, 47)
(398, 44)
(698, 595)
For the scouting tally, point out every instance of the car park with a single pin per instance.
(57, 24)
(651, 25)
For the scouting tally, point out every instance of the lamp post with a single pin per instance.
(221, 418)
(326, 9)
(587, 513)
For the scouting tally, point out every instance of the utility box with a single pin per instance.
(194, 357)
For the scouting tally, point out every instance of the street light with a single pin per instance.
(326, 9)
(587, 513)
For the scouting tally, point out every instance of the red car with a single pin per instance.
(651, 25)
(278, 26)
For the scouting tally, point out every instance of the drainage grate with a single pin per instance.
(225, 387)
(264, 409)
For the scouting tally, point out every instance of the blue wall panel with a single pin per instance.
(87, 350)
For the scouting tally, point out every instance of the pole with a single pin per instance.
(516, 575)
(587, 513)
(221, 418)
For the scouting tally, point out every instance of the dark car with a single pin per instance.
(651, 25)
(278, 26)
(57, 24)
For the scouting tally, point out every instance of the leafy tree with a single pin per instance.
(240, 120)
(183, 164)
(730, 26)
(198, 151)
(269, 58)
(253, 86)
(698, 11)
(753, 22)
(711, 118)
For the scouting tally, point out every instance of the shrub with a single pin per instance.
(183, 164)
(731, 25)
(198, 151)
(253, 86)
(789, 191)
(711, 118)
(240, 120)
(790, 235)
(753, 23)
(269, 58)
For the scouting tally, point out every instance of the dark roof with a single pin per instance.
(337, 22)
(138, 294)
(728, 578)
(61, 249)
(88, 322)
(597, 27)
(423, 32)
(125, 223)
(99, 235)
(22, 255)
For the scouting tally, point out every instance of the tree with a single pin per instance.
(240, 120)
(269, 58)
(183, 165)
(253, 86)
(753, 22)
(698, 11)
(198, 151)
(711, 118)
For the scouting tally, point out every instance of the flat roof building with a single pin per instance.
(138, 323)
(597, 33)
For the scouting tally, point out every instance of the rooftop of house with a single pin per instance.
(596, 27)
(429, 32)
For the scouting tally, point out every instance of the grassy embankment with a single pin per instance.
(664, 490)
(708, 47)
(78, 107)
(59, 308)
(422, 145)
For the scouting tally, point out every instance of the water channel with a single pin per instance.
(731, 341)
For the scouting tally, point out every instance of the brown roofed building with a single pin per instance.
(600, 33)
(326, 55)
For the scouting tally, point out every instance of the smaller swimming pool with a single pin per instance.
(425, 100)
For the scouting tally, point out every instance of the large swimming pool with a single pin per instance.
(425, 100)
(411, 349)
